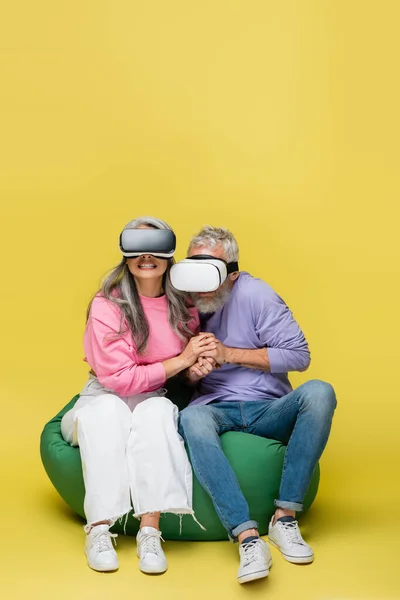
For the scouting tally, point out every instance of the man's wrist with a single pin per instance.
(229, 358)
(245, 357)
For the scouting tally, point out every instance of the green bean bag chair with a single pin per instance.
(256, 461)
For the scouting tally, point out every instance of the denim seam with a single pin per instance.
(244, 424)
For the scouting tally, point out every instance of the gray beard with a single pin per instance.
(208, 306)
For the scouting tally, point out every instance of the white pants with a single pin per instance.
(128, 455)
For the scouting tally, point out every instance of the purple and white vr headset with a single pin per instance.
(160, 243)
(201, 273)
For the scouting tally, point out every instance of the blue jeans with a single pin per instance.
(301, 420)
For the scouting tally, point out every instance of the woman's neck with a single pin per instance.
(150, 288)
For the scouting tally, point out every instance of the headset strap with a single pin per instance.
(230, 267)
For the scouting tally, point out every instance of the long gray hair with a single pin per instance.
(120, 288)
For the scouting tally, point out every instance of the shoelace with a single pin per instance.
(292, 532)
(150, 543)
(251, 551)
(102, 539)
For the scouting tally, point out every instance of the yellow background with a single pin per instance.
(279, 120)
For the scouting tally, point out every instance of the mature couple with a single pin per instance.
(235, 345)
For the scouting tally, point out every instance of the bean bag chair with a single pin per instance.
(256, 461)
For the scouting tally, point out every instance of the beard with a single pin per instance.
(213, 303)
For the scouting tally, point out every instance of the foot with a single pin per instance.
(285, 535)
(99, 549)
(152, 557)
(255, 560)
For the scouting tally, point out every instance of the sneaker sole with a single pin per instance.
(152, 570)
(297, 560)
(255, 575)
(108, 569)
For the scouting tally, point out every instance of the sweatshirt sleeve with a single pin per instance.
(113, 358)
(277, 329)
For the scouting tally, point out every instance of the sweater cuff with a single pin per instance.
(277, 361)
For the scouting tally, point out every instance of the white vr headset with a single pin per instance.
(201, 273)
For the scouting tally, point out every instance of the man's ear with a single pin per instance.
(233, 276)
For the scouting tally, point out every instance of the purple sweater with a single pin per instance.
(254, 317)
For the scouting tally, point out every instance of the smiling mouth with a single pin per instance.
(147, 266)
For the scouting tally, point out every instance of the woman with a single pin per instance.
(139, 333)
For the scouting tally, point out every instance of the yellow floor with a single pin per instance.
(279, 120)
(42, 557)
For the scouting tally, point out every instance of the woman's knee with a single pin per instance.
(157, 409)
(107, 407)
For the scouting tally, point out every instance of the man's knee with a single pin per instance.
(321, 395)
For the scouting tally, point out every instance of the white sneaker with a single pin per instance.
(255, 560)
(152, 557)
(286, 536)
(99, 550)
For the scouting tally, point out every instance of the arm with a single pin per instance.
(252, 359)
(279, 333)
(285, 347)
(115, 362)
(114, 358)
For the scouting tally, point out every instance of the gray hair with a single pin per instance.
(211, 237)
(120, 288)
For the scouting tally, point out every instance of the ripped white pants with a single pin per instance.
(129, 456)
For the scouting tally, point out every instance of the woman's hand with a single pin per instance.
(197, 346)
(200, 369)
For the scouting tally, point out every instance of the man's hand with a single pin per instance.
(220, 354)
(200, 369)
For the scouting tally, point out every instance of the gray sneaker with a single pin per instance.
(149, 551)
(285, 535)
(255, 560)
(99, 549)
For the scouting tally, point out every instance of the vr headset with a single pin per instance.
(201, 273)
(160, 243)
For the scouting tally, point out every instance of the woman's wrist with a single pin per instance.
(175, 365)
(184, 361)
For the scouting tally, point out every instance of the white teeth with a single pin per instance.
(147, 266)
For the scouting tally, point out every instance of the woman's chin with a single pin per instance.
(148, 274)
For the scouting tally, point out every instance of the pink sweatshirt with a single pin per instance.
(115, 361)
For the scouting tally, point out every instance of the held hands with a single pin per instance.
(203, 345)
(211, 358)
(198, 346)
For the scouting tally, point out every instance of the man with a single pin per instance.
(243, 385)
